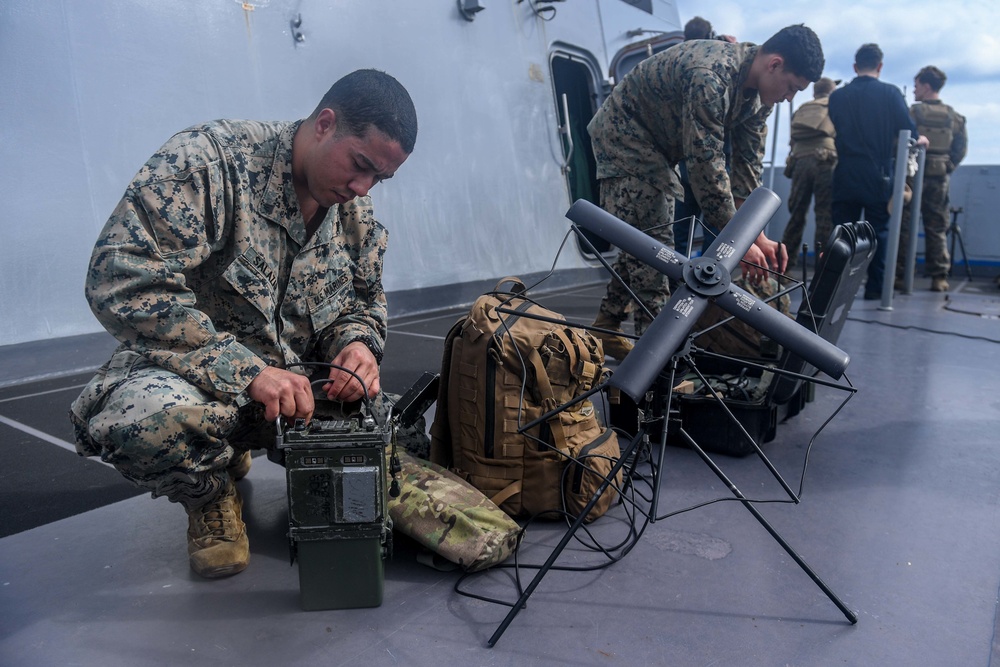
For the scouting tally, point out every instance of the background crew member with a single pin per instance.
(947, 143)
(868, 116)
(811, 160)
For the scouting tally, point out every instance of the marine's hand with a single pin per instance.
(282, 393)
(764, 253)
(345, 387)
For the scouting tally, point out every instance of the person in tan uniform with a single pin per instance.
(811, 161)
(948, 142)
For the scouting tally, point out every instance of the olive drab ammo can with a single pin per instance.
(338, 526)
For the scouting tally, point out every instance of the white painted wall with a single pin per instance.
(92, 88)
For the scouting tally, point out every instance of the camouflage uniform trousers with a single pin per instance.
(810, 176)
(163, 433)
(934, 202)
(651, 211)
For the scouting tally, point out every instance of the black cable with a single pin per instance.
(544, 13)
(906, 327)
(325, 364)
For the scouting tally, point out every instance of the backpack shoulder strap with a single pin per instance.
(440, 452)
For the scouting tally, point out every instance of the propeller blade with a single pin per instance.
(743, 229)
(668, 331)
(818, 351)
(643, 247)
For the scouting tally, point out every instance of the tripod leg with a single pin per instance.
(961, 244)
(951, 248)
(530, 588)
(665, 421)
(851, 616)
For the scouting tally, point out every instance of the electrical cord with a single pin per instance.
(910, 327)
(395, 466)
(544, 13)
(325, 364)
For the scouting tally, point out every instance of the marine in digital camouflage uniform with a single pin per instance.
(948, 142)
(678, 105)
(239, 249)
(812, 159)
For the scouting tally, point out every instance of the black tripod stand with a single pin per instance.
(654, 426)
(640, 376)
(956, 234)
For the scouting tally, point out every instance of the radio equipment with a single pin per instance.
(338, 524)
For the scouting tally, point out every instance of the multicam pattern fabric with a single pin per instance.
(945, 130)
(205, 274)
(934, 202)
(677, 105)
(812, 174)
(948, 146)
(449, 516)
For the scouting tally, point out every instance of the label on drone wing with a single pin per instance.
(724, 250)
(684, 306)
(665, 255)
(745, 301)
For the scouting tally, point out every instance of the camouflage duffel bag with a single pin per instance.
(450, 517)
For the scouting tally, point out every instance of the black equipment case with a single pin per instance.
(759, 399)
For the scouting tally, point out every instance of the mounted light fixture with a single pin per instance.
(468, 8)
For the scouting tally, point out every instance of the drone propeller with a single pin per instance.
(703, 278)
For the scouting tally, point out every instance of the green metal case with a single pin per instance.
(339, 530)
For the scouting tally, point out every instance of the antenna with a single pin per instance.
(703, 278)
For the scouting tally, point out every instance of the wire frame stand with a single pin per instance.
(955, 232)
(642, 375)
(654, 427)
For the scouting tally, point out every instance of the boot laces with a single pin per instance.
(216, 519)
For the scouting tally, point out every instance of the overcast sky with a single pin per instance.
(961, 37)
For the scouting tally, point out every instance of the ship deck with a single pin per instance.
(898, 516)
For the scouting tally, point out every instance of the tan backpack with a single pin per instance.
(501, 371)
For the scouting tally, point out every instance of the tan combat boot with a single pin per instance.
(939, 284)
(615, 347)
(239, 466)
(217, 537)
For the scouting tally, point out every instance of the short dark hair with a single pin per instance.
(933, 77)
(370, 97)
(868, 57)
(823, 87)
(698, 28)
(800, 48)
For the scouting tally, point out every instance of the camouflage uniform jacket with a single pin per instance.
(205, 268)
(678, 105)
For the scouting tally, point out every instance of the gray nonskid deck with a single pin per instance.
(899, 517)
